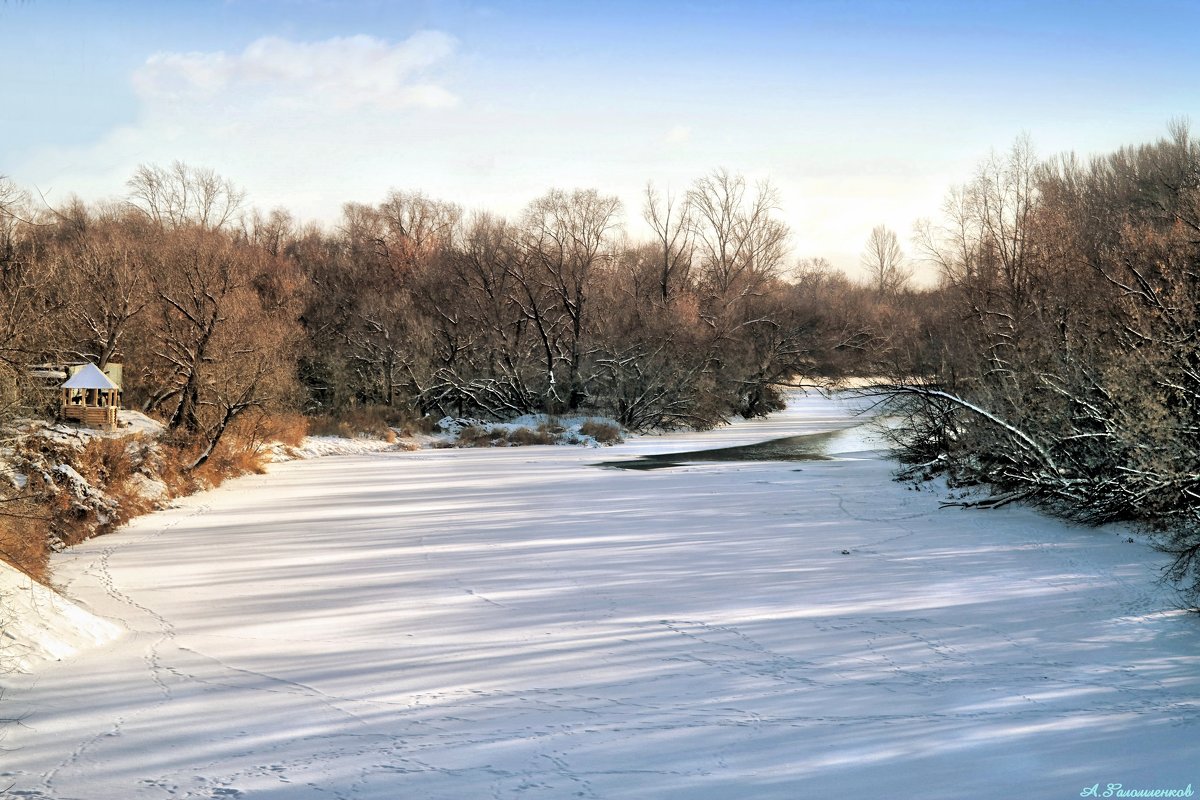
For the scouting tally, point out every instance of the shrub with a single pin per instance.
(372, 421)
(24, 540)
(603, 432)
(233, 457)
(288, 429)
(477, 436)
(170, 465)
(104, 460)
(128, 503)
(521, 436)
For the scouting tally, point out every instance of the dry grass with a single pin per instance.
(71, 522)
(129, 503)
(232, 458)
(51, 511)
(104, 461)
(37, 448)
(108, 465)
(235, 455)
(603, 432)
(169, 466)
(476, 436)
(330, 426)
(543, 435)
(379, 422)
(288, 429)
(25, 540)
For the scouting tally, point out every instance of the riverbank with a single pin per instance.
(518, 622)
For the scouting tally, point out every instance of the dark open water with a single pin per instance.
(809, 447)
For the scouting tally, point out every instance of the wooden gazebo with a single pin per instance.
(90, 397)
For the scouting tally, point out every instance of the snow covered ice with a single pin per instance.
(516, 622)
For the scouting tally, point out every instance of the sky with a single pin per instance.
(859, 113)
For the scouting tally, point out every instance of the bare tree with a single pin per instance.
(674, 230)
(884, 262)
(270, 232)
(485, 351)
(388, 248)
(26, 298)
(815, 267)
(986, 239)
(10, 197)
(214, 343)
(14, 221)
(987, 251)
(416, 223)
(741, 244)
(180, 195)
(562, 242)
(104, 285)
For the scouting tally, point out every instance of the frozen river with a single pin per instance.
(520, 623)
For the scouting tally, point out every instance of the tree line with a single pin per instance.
(219, 311)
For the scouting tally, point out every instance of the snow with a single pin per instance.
(77, 481)
(39, 625)
(148, 488)
(566, 429)
(316, 446)
(516, 622)
(130, 421)
(89, 376)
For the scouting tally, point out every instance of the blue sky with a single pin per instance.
(860, 113)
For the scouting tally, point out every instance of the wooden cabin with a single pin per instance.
(90, 397)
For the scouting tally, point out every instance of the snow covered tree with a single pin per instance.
(1073, 381)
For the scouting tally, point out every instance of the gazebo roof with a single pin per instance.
(89, 377)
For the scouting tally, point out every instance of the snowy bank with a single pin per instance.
(318, 446)
(39, 625)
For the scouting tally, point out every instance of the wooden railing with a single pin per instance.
(93, 416)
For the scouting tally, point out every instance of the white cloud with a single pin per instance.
(341, 73)
(303, 124)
